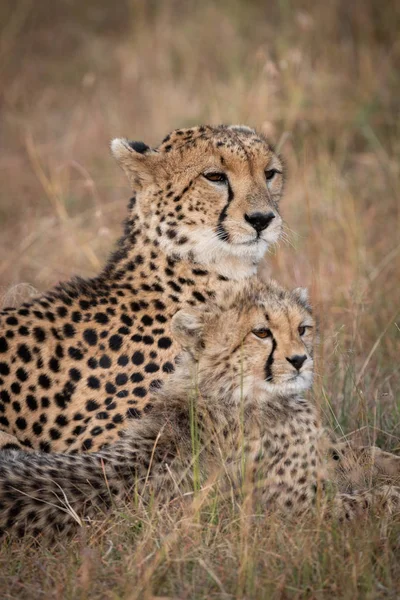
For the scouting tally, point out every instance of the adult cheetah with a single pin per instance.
(79, 361)
(233, 411)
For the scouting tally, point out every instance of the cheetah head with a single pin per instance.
(208, 192)
(260, 340)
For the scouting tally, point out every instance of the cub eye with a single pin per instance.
(270, 174)
(262, 333)
(216, 177)
(303, 328)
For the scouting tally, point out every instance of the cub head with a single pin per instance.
(259, 340)
(208, 191)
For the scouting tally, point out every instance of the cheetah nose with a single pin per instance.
(297, 361)
(259, 221)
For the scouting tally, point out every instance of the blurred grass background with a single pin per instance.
(321, 79)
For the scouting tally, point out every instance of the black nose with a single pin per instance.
(259, 221)
(297, 360)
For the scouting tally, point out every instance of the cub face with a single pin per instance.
(261, 341)
(210, 191)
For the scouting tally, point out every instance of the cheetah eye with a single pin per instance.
(216, 177)
(303, 328)
(262, 333)
(270, 174)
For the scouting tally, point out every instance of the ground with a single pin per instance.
(321, 79)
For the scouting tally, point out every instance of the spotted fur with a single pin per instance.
(218, 421)
(79, 362)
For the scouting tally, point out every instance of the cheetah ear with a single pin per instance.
(187, 328)
(137, 160)
(302, 294)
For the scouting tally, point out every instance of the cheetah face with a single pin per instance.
(211, 192)
(262, 341)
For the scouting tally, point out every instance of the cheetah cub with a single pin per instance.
(237, 393)
(78, 362)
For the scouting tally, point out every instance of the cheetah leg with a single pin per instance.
(10, 442)
(364, 464)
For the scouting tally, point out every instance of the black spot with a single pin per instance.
(93, 382)
(123, 360)
(140, 147)
(110, 388)
(15, 387)
(21, 423)
(12, 321)
(37, 428)
(101, 318)
(139, 391)
(44, 381)
(159, 305)
(199, 296)
(136, 377)
(69, 330)
(5, 369)
(22, 374)
(23, 330)
(31, 402)
(24, 353)
(105, 362)
(62, 420)
(16, 406)
(168, 367)
(96, 430)
(39, 334)
(151, 368)
(164, 342)
(90, 337)
(62, 311)
(75, 353)
(102, 416)
(115, 342)
(138, 358)
(91, 405)
(54, 433)
(117, 418)
(75, 375)
(54, 365)
(5, 396)
(121, 379)
(146, 320)
(92, 363)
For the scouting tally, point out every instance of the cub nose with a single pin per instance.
(259, 220)
(297, 361)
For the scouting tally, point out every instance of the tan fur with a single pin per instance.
(78, 362)
(222, 419)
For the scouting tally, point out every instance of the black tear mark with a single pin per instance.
(270, 361)
(221, 231)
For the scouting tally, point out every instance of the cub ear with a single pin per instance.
(187, 328)
(302, 294)
(137, 160)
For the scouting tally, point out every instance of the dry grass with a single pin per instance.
(321, 79)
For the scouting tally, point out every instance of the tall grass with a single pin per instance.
(321, 79)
